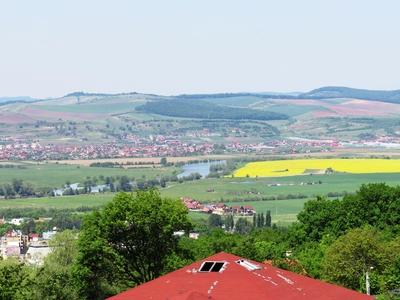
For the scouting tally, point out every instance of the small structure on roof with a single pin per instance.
(226, 276)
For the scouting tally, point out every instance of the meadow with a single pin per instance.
(282, 168)
(283, 211)
(233, 191)
(236, 189)
(56, 175)
(72, 202)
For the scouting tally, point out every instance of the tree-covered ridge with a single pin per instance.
(206, 110)
(345, 92)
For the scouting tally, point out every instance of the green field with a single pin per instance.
(225, 189)
(283, 211)
(241, 188)
(98, 108)
(56, 175)
(72, 202)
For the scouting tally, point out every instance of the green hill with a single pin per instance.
(206, 110)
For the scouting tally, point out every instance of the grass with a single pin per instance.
(102, 108)
(283, 211)
(92, 200)
(294, 167)
(241, 188)
(56, 175)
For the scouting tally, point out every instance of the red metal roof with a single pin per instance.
(235, 282)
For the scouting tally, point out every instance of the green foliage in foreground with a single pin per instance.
(120, 246)
(129, 241)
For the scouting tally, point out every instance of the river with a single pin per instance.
(203, 168)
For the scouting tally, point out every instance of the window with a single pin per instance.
(212, 266)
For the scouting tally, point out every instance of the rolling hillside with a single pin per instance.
(207, 110)
(334, 112)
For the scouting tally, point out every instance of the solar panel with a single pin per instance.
(206, 267)
(217, 267)
(212, 266)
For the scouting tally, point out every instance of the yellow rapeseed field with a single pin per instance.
(279, 168)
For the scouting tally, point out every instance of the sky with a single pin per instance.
(49, 48)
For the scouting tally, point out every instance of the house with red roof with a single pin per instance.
(226, 276)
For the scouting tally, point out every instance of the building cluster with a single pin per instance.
(30, 248)
(37, 151)
(168, 146)
(218, 208)
(76, 188)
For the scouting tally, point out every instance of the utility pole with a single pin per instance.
(367, 284)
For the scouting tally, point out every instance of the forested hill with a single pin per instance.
(5, 100)
(206, 110)
(328, 92)
(345, 92)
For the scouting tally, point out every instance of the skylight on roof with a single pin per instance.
(248, 265)
(212, 266)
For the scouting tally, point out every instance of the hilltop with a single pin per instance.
(337, 113)
(345, 92)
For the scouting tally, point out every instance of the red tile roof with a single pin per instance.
(235, 282)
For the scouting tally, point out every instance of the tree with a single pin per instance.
(268, 219)
(28, 226)
(243, 226)
(55, 278)
(15, 280)
(163, 161)
(128, 242)
(125, 184)
(317, 216)
(352, 254)
(262, 221)
(215, 220)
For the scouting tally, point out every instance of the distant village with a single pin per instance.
(218, 208)
(30, 248)
(159, 146)
(166, 146)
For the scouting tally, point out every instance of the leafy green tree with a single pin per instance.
(390, 278)
(317, 216)
(243, 226)
(214, 220)
(373, 204)
(128, 242)
(229, 222)
(16, 280)
(352, 254)
(55, 280)
(28, 226)
(262, 220)
(311, 256)
(268, 219)
(125, 184)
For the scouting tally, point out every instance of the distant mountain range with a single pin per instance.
(345, 92)
(328, 92)
(16, 99)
